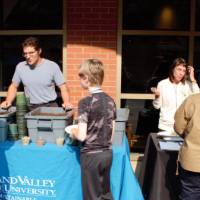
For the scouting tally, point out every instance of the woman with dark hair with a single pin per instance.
(172, 91)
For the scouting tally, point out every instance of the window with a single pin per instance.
(197, 59)
(30, 14)
(197, 24)
(156, 15)
(20, 19)
(143, 57)
(11, 54)
(152, 34)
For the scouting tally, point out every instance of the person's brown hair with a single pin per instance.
(33, 42)
(176, 62)
(94, 69)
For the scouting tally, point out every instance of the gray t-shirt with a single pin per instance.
(39, 82)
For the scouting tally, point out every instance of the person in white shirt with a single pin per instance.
(172, 91)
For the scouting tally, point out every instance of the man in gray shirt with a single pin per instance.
(39, 77)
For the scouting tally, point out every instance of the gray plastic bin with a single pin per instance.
(48, 123)
(3, 130)
(8, 115)
(120, 125)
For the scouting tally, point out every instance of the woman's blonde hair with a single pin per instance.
(93, 68)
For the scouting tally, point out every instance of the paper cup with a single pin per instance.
(60, 141)
(25, 140)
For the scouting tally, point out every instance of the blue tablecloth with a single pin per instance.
(52, 172)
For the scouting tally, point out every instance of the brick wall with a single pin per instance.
(91, 33)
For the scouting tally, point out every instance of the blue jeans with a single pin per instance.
(190, 185)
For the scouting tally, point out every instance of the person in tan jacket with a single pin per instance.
(187, 125)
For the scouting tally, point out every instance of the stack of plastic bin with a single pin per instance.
(6, 117)
(21, 106)
(120, 125)
(3, 131)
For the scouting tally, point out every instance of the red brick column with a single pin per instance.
(91, 33)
